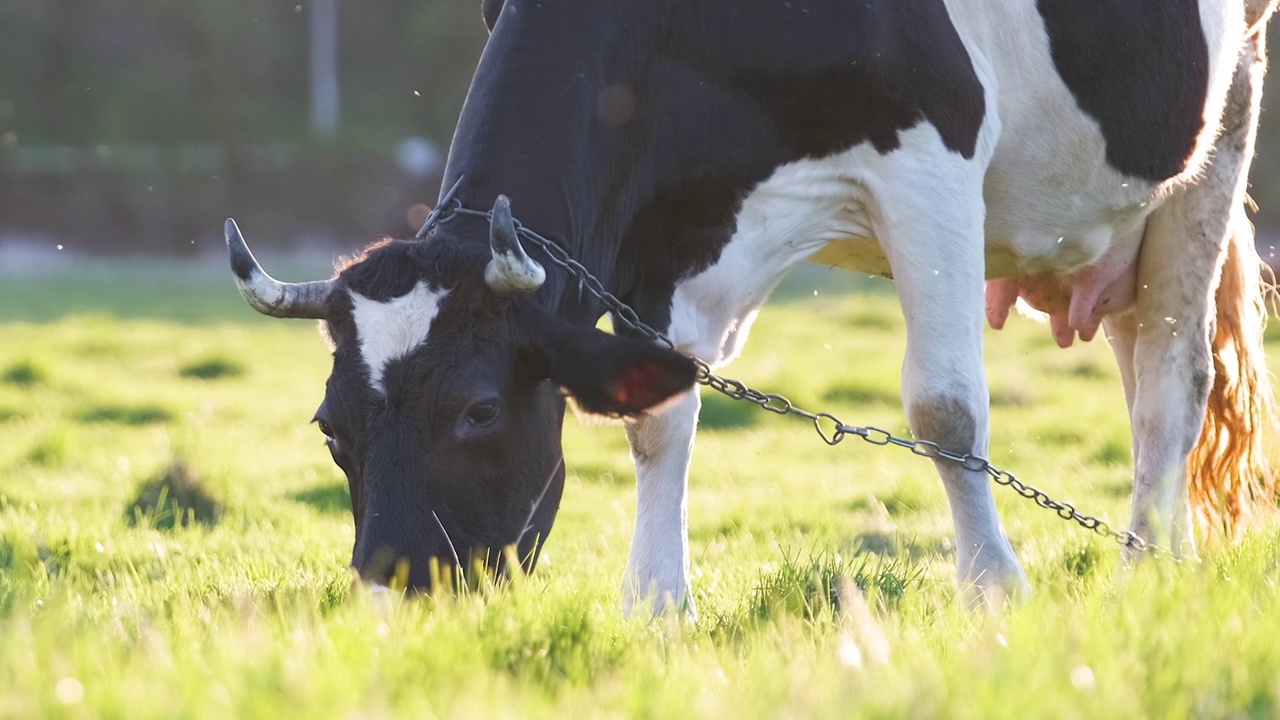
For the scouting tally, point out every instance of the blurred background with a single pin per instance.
(137, 126)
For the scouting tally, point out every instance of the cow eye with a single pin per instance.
(483, 412)
(324, 428)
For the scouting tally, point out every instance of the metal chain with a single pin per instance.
(829, 427)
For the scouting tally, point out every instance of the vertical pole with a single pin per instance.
(324, 68)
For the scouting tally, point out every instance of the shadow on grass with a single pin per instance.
(819, 587)
(870, 319)
(601, 474)
(723, 413)
(862, 395)
(1082, 561)
(327, 498)
(1012, 397)
(1089, 371)
(24, 374)
(125, 414)
(50, 450)
(1113, 451)
(175, 497)
(212, 368)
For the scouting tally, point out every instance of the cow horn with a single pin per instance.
(511, 270)
(268, 295)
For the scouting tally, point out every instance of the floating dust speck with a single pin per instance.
(850, 655)
(1082, 677)
(69, 691)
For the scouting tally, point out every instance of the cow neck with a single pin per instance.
(544, 144)
(560, 292)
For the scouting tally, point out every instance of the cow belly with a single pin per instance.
(1075, 303)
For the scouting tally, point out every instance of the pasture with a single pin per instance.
(823, 575)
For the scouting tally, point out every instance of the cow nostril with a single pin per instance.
(387, 572)
(371, 580)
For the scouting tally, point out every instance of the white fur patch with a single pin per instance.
(801, 210)
(390, 330)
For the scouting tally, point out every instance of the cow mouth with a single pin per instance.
(457, 561)
(456, 565)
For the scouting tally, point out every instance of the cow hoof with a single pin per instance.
(995, 588)
(1184, 551)
(659, 604)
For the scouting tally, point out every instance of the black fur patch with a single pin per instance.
(724, 94)
(1140, 68)
(831, 75)
(385, 270)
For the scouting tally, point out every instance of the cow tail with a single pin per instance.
(1232, 474)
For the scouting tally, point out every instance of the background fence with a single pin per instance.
(138, 125)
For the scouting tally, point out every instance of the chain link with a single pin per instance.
(829, 427)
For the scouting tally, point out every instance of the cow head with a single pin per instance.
(447, 395)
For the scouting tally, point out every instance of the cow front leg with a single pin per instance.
(936, 252)
(658, 570)
(945, 394)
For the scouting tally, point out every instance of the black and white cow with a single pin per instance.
(1088, 156)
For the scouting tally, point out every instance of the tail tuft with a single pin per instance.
(1231, 474)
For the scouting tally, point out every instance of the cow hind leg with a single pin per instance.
(936, 252)
(1192, 263)
(1122, 334)
(1171, 369)
(1231, 476)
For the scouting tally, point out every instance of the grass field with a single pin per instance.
(823, 576)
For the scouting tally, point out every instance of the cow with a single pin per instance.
(1088, 158)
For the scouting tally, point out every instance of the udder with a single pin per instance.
(1075, 303)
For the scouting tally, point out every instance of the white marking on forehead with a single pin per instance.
(392, 329)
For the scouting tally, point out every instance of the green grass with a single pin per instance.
(174, 540)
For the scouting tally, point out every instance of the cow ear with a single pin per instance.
(616, 376)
